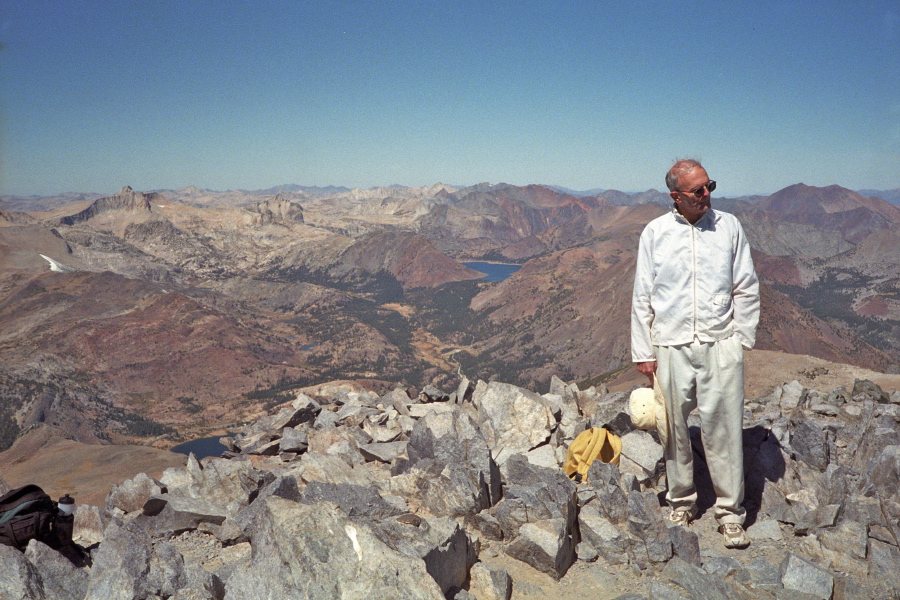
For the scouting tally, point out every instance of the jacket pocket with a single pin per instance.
(721, 299)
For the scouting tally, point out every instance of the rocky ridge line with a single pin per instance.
(355, 495)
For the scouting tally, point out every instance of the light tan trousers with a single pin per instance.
(708, 376)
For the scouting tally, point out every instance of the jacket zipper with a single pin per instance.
(693, 278)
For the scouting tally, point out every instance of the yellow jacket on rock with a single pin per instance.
(693, 282)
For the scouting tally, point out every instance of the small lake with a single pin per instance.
(202, 447)
(493, 271)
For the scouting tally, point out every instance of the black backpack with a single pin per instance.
(26, 513)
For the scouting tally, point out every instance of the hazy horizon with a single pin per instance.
(272, 189)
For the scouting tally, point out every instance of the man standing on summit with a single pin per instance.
(694, 310)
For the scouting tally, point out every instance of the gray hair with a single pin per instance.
(681, 166)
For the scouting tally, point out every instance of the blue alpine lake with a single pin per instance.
(202, 447)
(493, 271)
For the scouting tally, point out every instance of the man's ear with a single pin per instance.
(674, 196)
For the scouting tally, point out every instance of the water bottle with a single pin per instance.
(65, 520)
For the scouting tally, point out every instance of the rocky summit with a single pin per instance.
(460, 494)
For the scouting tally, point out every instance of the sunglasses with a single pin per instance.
(698, 193)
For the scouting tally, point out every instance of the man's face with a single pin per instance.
(692, 198)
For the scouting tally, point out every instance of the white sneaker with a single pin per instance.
(734, 534)
(681, 517)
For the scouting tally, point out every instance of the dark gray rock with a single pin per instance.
(608, 540)
(863, 389)
(605, 480)
(534, 494)
(809, 442)
(803, 576)
(645, 522)
(450, 467)
(685, 544)
(354, 500)
(431, 394)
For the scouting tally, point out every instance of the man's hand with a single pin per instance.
(647, 368)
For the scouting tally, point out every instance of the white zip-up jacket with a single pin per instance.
(693, 281)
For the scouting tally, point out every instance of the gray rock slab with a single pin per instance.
(608, 540)
(545, 545)
(354, 500)
(790, 395)
(316, 551)
(863, 389)
(849, 537)
(803, 576)
(885, 471)
(606, 482)
(417, 411)
(19, 579)
(725, 567)
(384, 451)
(121, 565)
(645, 521)
(90, 522)
(639, 448)
(535, 493)
(659, 591)
(763, 574)
(514, 419)
(884, 562)
(543, 456)
(767, 529)
(315, 466)
(131, 494)
(685, 544)
(451, 469)
(294, 440)
(490, 583)
(217, 478)
(61, 579)
(698, 584)
(168, 514)
(442, 544)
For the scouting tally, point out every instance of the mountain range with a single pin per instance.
(174, 310)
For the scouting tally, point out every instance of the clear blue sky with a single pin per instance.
(227, 94)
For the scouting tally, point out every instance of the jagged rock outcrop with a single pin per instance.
(276, 210)
(127, 200)
(356, 495)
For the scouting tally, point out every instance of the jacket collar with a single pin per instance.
(711, 216)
